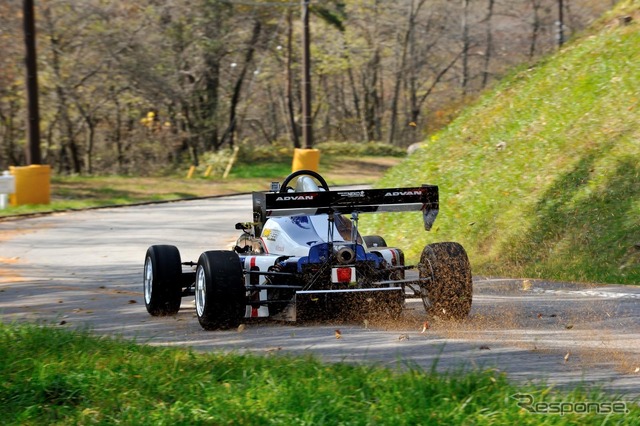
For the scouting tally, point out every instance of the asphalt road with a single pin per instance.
(84, 269)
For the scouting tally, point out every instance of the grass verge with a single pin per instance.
(54, 376)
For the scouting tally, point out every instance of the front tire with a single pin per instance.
(161, 280)
(220, 291)
(449, 292)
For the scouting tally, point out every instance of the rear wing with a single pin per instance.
(272, 204)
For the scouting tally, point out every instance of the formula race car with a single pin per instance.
(302, 257)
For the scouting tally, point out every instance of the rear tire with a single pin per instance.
(374, 241)
(161, 280)
(449, 293)
(220, 291)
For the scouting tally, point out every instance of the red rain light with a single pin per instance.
(344, 275)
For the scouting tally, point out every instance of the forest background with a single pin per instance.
(145, 87)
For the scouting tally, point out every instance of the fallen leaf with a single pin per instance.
(526, 285)
(366, 324)
(131, 302)
(338, 334)
(425, 327)
(241, 328)
(539, 315)
(566, 357)
(484, 348)
(637, 370)
(569, 326)
(403, 337)
(63, 322)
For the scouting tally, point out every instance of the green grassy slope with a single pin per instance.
(541, 178)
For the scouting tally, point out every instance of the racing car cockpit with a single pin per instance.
(294, 235)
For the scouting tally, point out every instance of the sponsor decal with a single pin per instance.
(272, 235)
(352, 194)
(399, 193)
(296, 198)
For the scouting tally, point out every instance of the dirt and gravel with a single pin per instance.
(84, 269)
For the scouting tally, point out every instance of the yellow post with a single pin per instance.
(306, 159)
(190, 172)
(208, 171)
(231, 162)
(33, 185)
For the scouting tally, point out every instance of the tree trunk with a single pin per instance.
(465, 47)
(91, 124)
(535, 27)
(66, 126)
(289, 85)
(356, 101)
(229, 134)
(9, 136)
(371, 99)
(489, 49)
(117, 132)
(209, 105)
(398, 77)
(33, 123)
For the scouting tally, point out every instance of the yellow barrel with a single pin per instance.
(33, 185)
(306, 159)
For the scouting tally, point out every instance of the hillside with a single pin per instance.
(541, 177)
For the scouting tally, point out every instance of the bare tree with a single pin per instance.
(466, 43)
(489, 43)
(536, 25)
(408, 41)
(69, 156)
(293, 125)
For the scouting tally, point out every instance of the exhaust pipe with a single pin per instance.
(345, 256)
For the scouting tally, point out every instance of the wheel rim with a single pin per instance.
(148, 280)
(201, 291)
